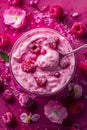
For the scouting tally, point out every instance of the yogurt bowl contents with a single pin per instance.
(36, 63)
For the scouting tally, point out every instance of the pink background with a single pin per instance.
(70, 6)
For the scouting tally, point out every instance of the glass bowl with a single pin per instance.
(21, 50)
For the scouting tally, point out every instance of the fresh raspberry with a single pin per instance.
(1, 83)
(57, 74)
(33, 57)
(76, 107)
(7, 118)
(7, 94)
(14, 2)
(75, 127)
(8, 77)
(25, 100)
(78, 29)
(56, 11)
(83, 66)
(35, 48)
(43, 51)
(53, 42)
(64, 62)
(28, 66)
(4, 40)
(41, 80)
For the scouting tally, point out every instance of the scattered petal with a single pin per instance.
(35, 117)
(23, 117)
(77, 91)
(75, 14)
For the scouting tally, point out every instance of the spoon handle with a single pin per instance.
(77, 49)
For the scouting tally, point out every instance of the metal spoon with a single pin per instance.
(73, 51)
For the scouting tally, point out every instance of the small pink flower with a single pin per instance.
(55, 112)
(76, 90)
(25, 118)
(15, 17)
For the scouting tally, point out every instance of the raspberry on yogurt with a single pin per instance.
(53, 42)
(25, 100)
(28, 66)
(34, 48)
(41, 80)
(7, 118)
(64, 62)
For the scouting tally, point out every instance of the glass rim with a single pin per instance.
(38, 93)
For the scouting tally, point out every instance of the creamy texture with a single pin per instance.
(46, 65)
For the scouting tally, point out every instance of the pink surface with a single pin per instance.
(70, 6)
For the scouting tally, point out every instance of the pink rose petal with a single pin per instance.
(15, 17)
(55, 112)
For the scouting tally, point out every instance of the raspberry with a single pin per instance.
(83, 66)
(78, 29)
(57, 74)
(56, 11)
(41, 80)
(1, 81)
(53, 41)
(8, 95)
(7, 118)
(14, 2)
(76, 107)
(4, 40)
(64, 62)
(43, 51)
(34, 48)
(28, 66)
(75, 127)
(25, 100)
(8, 77)
(33, 57)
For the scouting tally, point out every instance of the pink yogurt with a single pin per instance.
(47, 64)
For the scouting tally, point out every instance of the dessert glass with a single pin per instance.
(45, 66)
